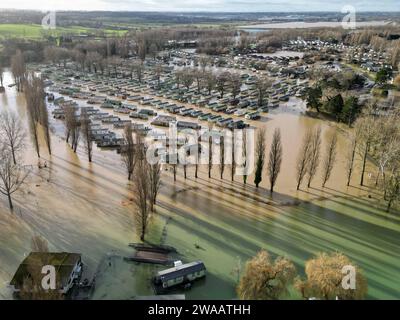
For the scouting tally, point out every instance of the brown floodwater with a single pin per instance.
(86, 208)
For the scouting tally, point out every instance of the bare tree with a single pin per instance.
(210, 82)
(351, 153)
(315, 151)
(12, 176)
(18, 69)
(221, 81)
(392, 190)
(178, 78)
(204, 61)
(329, 160)
(244, 154)
(72, 126)
(236, 84)
(86, 133)
(262, 85)
(233, 159)
(1, 76)
(222, 155)
(154, 172)
(187, 78)
(275, 158)
(260, 155)
(210, 153)
(141, 190)
(197, 150)
(34, 96)
(303, 158)
(158, 69)
(366, 129)
(44, 121)
(387, 144)
(12, 133)
(139, 69)
(128, 150)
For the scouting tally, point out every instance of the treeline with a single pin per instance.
(331, 94)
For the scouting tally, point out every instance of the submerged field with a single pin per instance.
(86, 208)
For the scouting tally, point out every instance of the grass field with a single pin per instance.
(35, 31)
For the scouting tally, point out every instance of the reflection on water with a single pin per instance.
(86, 208)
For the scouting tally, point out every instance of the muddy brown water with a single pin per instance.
(86, 208)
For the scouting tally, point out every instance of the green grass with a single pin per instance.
(35, 31)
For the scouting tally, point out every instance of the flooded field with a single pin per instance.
(304, 25)
(86, 208)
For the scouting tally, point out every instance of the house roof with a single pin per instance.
(31, 267)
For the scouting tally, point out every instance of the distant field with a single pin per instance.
(36, 31)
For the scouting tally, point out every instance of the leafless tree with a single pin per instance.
(222, 155)
(72, 126)
(86, 133)
(392, 190)
(139, 69)
(221, 81)
(303, 158)
(210, 153)
(365, 127)
(235, 84)
(197, 150)
(315, 151)
(329, 159)
(1, 75)
(12, 133)
(18, 69)
(34, 96)
(204, 61)
(387, 144)
(187, 78)
(233, 160)
(12, 176)
(128, 150)
(178, 78)
(141, 190)
(275, 159)
(351, 153)
(158, 71)
(244, 154)
(44, 121)
(210, 81)
(154, 172)
(260, 155)
(262, 85)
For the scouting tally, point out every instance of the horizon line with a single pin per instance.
(196, 11)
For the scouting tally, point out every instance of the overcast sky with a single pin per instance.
(203, 5)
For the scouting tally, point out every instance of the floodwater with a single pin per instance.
(86, 208)
(305, 25)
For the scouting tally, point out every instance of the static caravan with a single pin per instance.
(188, 125)
(180, 274)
